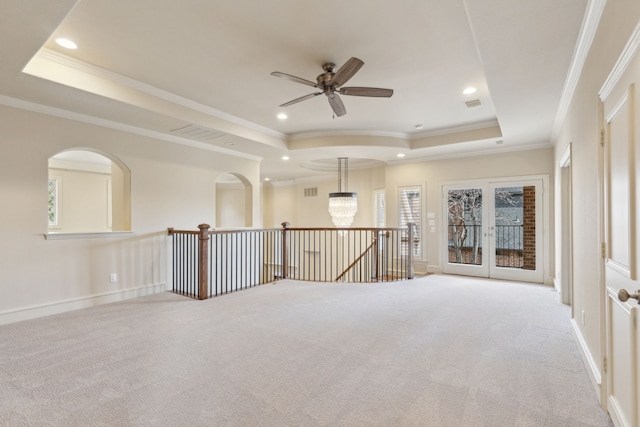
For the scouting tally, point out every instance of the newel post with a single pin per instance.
(203, 261)
(411, 229)
(376, 267)
(285, 262)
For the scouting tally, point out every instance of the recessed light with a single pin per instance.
(418, 126)
(267, 179)
(469, 90)
(499, 142)
(285, 157)
(66, 43)
(282, 116)
(400, 155)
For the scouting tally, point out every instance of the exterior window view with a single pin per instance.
(512, 232)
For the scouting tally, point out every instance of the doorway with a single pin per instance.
(494, 229)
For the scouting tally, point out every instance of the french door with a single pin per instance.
(494, 229)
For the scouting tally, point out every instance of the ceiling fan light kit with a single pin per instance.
(330, 82)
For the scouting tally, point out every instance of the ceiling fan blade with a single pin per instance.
(366, 91)
(346, 71)
(294, 78)
(336, 104)
(302, 98)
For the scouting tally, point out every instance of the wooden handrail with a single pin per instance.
(206, 259)
(375, 239)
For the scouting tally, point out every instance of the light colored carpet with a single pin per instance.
(435, 351)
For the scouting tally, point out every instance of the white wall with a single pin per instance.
(581, 130)
(433, 174)
(279, 205)
(230, 207)
(82, 201)
(171, 186)
(286, 203)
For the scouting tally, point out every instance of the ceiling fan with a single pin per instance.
(330, 83)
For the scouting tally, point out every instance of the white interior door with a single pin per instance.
(621, 217)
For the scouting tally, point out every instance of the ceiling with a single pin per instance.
(198, 72)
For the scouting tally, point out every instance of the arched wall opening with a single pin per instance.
(234, 201)
(88, 192)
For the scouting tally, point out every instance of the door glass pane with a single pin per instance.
(465, 226)
(514, 230)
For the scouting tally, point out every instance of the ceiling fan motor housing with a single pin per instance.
(324, 79)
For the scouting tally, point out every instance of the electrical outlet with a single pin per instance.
(114, 278)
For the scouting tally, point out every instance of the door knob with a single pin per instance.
(623, 295)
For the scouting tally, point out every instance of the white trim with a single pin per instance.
(79, 166)
(616, 109)
(320, 134)
(456, 129)
(58, 307)
(565, 160)
(400, 135)
(69, 236)
(593, 368)
(469, 153)
(622, 63)
(616, 414)
(588, 31)
(78, 117)
(52, 56)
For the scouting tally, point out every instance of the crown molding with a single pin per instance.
(590, 24)
(399, 135)
(83, 118)
(321, 134)
(455, 129)
(46, 54)
(474, 153)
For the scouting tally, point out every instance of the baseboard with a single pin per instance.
(558, 288)
(58, 307)
(593, 368)
(433, 269)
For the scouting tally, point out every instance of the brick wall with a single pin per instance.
(529, 228)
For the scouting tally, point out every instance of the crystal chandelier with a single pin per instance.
(343, 205)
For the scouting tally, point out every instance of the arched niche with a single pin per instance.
(234, 201)
(89, 192)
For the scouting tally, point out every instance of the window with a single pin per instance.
(378, 212)
(53, 201)
(410, 199)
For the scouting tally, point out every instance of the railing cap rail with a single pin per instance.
(171, 230)
(346, 229)
(229, 231)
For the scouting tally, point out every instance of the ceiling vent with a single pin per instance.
(311, 192)
(473, 103)
(197, 132)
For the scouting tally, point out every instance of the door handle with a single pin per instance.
(623, 295)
